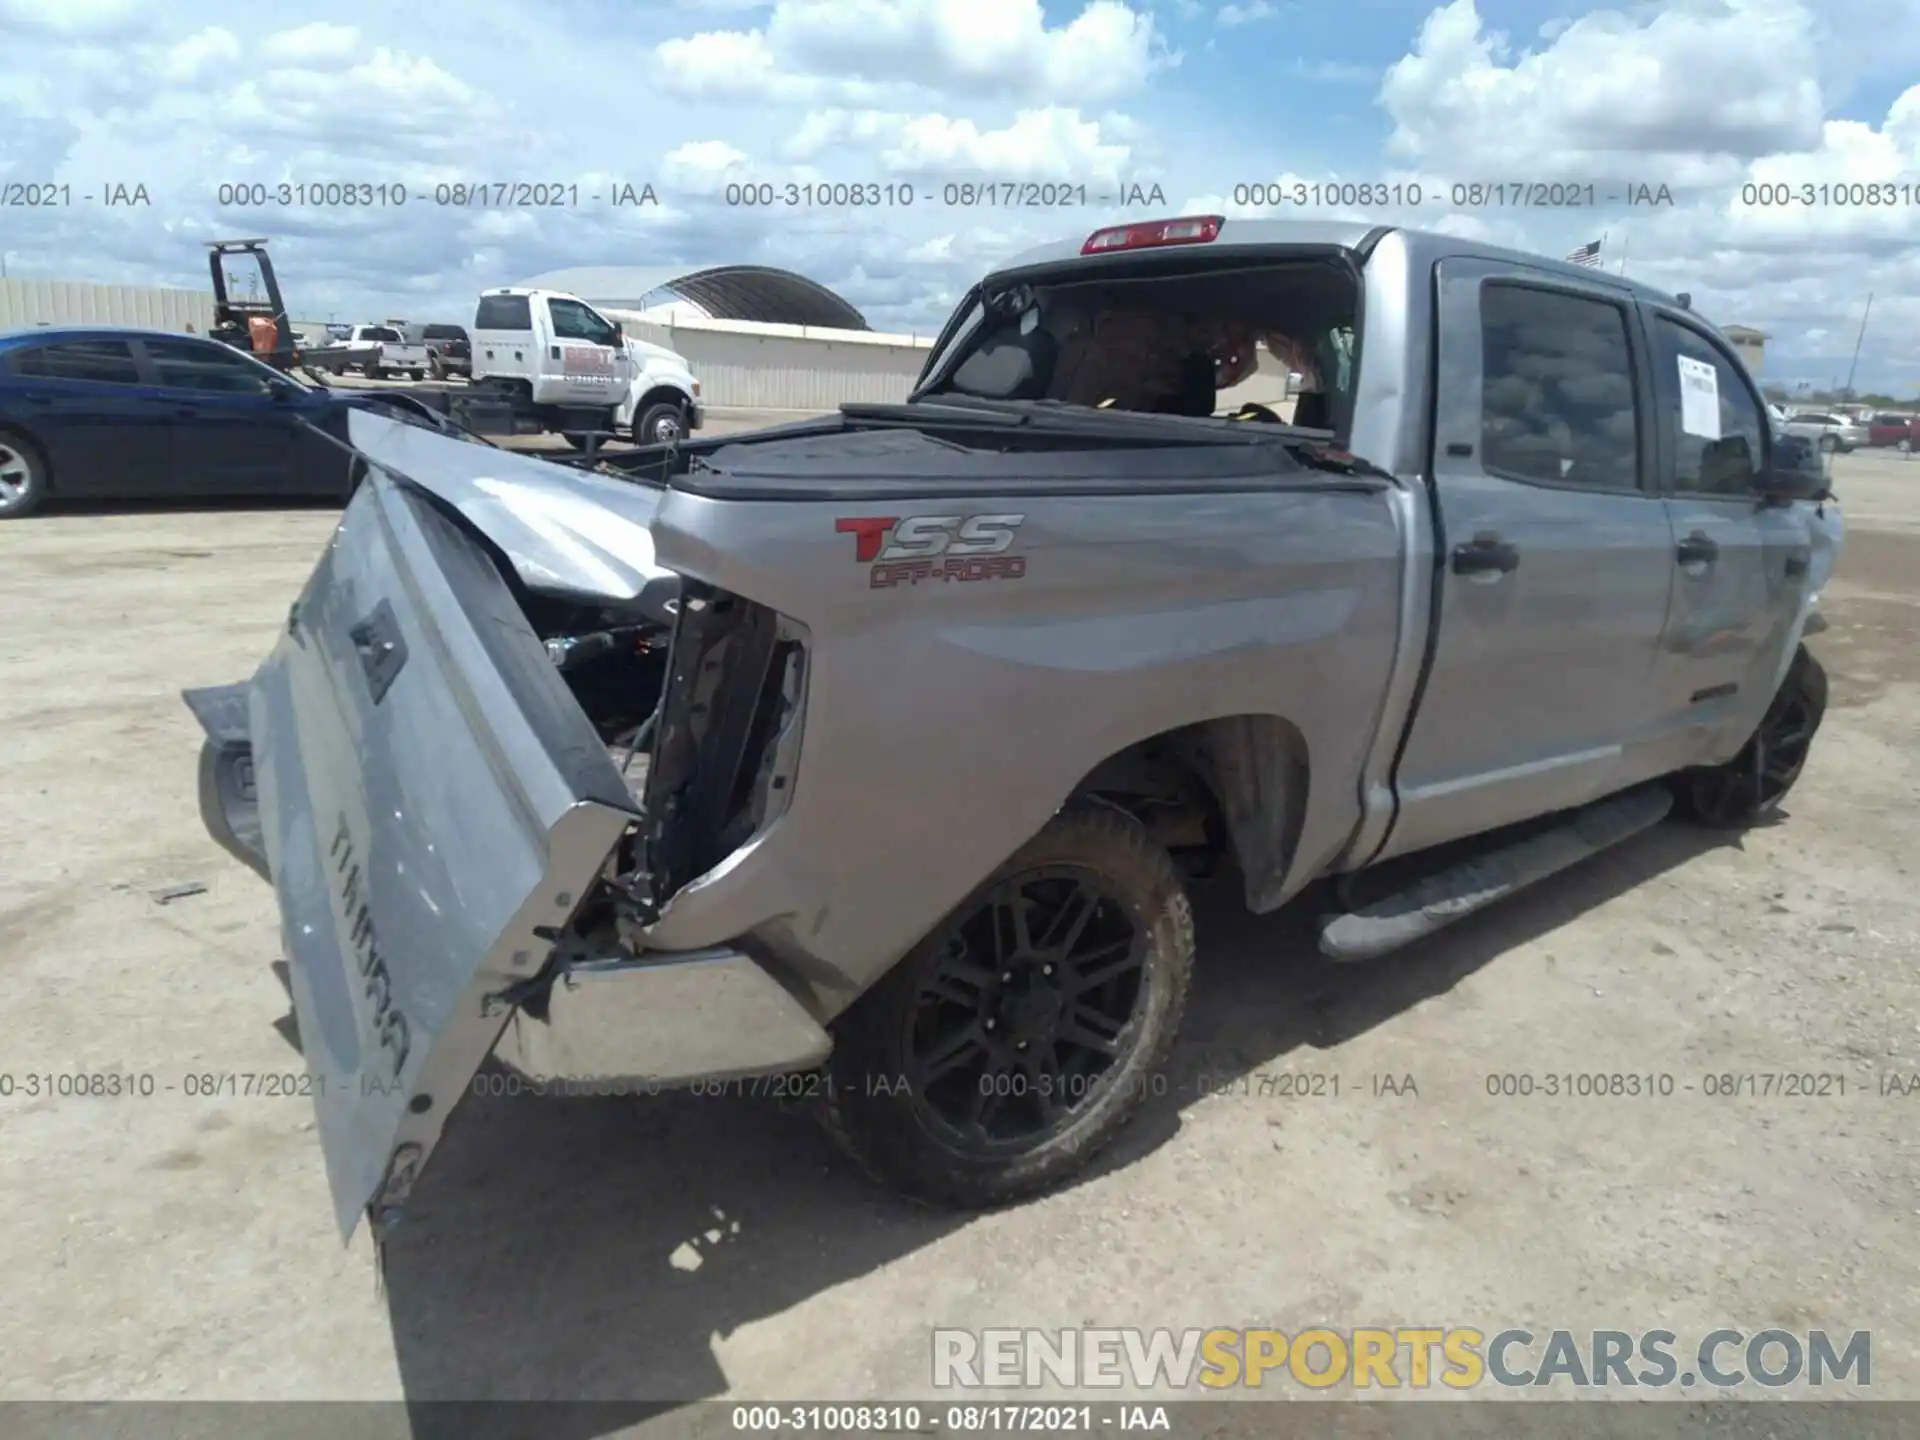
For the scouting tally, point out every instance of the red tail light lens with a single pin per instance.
(1187, 230)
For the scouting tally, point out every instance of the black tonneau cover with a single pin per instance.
(902, 451)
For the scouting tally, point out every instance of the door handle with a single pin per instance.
(1698, 549)
(1486, 554)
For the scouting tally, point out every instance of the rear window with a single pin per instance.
(444, 332)
(503, 312)
(1195, 339)
(381, 332)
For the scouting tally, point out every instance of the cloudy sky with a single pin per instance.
(1704, 97)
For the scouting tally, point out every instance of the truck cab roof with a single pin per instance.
(1249, 237)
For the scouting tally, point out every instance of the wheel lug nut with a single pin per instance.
(1006, 977)
(991, 1024)
(1021, 1045)
(1046, 969)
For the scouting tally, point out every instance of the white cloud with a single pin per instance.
(90, 19)
(1686, 94)
(204, 54)
(702, 166)
(1053, 143)
(923, 91)
(853, 50)
(318, 46)
(1231, 15)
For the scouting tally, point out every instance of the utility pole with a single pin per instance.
(1858, 339)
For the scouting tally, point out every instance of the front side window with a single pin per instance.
(1557, 398)
(574, 321)
(106, 362)
(1715, 427)
(183, 365)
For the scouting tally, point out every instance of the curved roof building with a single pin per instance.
(721, 292)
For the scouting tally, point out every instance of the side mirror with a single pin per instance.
(1794, 472)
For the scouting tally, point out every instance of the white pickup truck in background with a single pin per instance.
(375, 350)
(563, 366)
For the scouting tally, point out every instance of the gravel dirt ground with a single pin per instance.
(679, 1247)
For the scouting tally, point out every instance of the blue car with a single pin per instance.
(113, 413)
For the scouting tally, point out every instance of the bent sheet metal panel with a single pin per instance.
(420, 841)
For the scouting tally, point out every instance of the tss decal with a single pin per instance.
(913, 548)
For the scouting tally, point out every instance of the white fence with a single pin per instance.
(786, 367)
(25, 303)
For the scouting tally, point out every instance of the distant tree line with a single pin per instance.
(1781, 395)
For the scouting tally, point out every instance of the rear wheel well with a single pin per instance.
(1232, 788)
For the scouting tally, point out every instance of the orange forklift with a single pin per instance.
(257, 323)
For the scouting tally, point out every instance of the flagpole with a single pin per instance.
(1857, 342)
(1623, 254)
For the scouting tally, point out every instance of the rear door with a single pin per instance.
(229, 434)
(1558, 557)
(1741, 567)
(432, 803)
(104, 432)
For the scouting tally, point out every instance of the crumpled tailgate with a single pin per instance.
(431, 802)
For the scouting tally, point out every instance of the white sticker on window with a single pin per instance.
(1699, 398)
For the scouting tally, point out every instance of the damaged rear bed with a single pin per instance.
(443, 769)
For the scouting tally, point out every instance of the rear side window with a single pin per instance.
(503, 312)
(184, 365)
(1715, 435)
(108, 362)
(1557, 395)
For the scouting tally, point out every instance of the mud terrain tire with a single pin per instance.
(1753, 783)
(1094, 978)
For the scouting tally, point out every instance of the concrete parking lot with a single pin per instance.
(679, 1247)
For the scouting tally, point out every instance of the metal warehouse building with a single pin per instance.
(60, 302)
(757, 336)
(755, 293)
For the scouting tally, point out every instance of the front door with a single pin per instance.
(588, 354)
(230, 434)
(1558, 558)
(1742, 566)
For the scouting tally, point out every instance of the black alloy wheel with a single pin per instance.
(1026, 1008)
(1759, 777)
(1010, 1045)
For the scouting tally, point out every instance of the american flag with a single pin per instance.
(1587, 254)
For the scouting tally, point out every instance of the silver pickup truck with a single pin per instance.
(874, 752)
